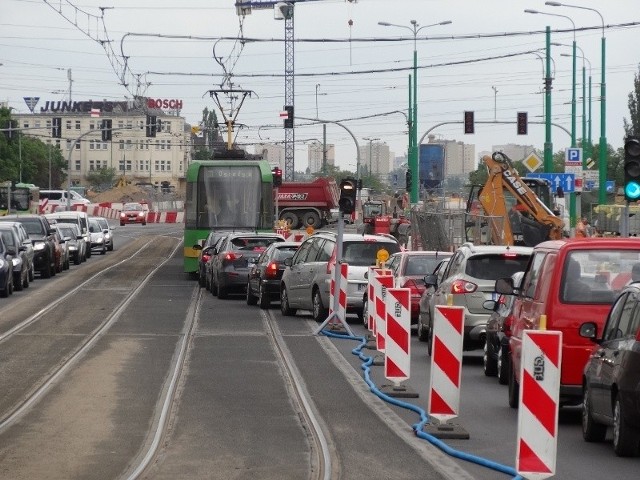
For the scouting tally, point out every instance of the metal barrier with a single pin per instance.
(446, 230)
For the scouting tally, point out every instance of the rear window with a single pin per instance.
(421, 265)
(51, 195)
(253, 243)
(283, 253)
(364, 254)
(495, 266)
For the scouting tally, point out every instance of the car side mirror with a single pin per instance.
(505, 286)
(51, 231)
(197, 246)
(589, 330)
(105, 231)
(490, 305)
(431, 280)
(287, 262)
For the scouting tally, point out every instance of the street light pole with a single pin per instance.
(495, 102)
(413, 134)
(602, 153)
(371, 140)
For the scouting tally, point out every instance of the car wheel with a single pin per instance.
(223, 292)
(46, 271)
(26, 282)
(104, 250)
(429, 342)
(88, 253)
(423, 334)
(214, 286)
(18, 286)
(591, 430)
(251, 298)
(77, 259)
(286, 310)
(503, 365)
(32, 273)
(365, 312)
(489, 363)
(4, 293)
(263, 298)
(201, 279)
(625, 438)
(110, 248)
(319, 311)
(514, 390)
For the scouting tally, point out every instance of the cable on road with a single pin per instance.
(424, 418)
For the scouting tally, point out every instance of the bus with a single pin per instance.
(225, 194)
(21, 198)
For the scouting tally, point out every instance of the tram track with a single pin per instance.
(11, 415)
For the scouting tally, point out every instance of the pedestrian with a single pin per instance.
(582, 228)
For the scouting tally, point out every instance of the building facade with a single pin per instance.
(133, 155)
(315, 153)
(459, 157)
(273, 153)
(375, 158)
(515, 152)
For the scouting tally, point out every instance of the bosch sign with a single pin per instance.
(164, 103)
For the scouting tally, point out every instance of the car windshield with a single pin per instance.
(281, 254)
(103, 223)
(67, 232)
(420, 265)
(132, 207)
(495, 266)
(364, 254)
(32, 226)
(256, 244)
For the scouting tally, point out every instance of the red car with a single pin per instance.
(409, 269)
(133, 213)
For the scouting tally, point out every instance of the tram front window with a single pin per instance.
(229, 197)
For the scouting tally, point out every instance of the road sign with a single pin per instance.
(565, 180)
(573, 156)
(532, 162)
(611, 186)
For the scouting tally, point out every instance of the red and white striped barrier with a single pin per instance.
(446, 362)
(380, 286)
(342, 294)
(539, 401)
(397, 359)
(371, 298)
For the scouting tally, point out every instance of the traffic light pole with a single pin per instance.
(336, 283)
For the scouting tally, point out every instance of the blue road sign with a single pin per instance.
(611, 186)
(564, 180)
(573, 155)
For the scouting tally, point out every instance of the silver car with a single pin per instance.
(98, 241)
(306, 281)
(469, 280)
(107, 230)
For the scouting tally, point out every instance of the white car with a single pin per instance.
(98, 240)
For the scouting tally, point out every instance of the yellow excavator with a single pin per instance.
(527, 222)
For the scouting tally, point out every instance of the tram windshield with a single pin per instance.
(229, 197)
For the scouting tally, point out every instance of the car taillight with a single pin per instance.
(205, 258)
(272, 270)
(506, 326)
(414, 287)
(461, 287)
(638, 335)
(230, 256)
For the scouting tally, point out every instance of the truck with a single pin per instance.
(514, 213)
(306, 204)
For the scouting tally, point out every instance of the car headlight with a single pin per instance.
(141, 214)
(1, 263)
(123, 215)
(99, 240)
(17, 261)
(39, 246)
(107, 236)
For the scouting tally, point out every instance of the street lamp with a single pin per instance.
(495, 102)
(585, 139)
(317, 85)
(573, 90)
(602, 160)
(415, 28)
(371, 140)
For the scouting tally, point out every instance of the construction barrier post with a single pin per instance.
(446, 372)
(382, 283)
(539, 402)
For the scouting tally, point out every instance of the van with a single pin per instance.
(568, 281)
(80, 219)
(59, 197)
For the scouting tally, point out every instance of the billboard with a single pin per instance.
(431, 165)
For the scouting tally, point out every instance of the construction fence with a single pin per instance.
(446, 230)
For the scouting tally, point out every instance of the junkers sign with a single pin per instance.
(164, 103)
(80, 107)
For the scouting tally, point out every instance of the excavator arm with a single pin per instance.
(511, 226)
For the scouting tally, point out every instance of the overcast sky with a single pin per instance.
(38, 46)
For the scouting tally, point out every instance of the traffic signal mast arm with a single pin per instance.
(538, 222)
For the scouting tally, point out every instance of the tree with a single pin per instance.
(632, 127)
(102, 178)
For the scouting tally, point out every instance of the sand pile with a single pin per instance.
(128, 193)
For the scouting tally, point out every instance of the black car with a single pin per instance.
(611, 381)
(41, 234)
(6, 271)
(206, 250)
(263, 285)
(228, 267)
(18, 257)
(495, 358)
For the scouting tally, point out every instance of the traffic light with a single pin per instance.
(408, 180)
(469, 126)
(56, 127)
(151, 126)
(632, 169)
(348, 193)
(277, 176)
(288, 121)
(106, 130)
(522, 123)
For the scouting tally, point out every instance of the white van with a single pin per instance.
(59, 197)
(81, 219)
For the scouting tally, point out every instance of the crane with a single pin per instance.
(282, 11)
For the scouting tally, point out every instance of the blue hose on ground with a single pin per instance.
(424, 419)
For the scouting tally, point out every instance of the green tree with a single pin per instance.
(632, 127)
(102, 178)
